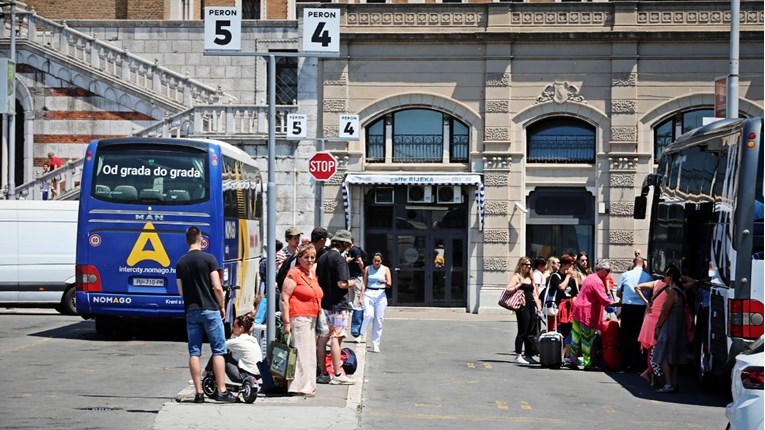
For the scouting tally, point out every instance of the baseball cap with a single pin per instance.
(293, 231)
(320, 233)
(343, 236)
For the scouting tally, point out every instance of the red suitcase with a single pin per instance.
(610, 357)
(609, 334)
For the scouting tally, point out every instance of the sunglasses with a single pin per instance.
(526, 264)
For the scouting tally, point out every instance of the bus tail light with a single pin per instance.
(752, 377)
(745, 318)
(87, 279)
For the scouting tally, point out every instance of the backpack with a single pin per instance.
(348, 359)
(364, 257)
(281, 275)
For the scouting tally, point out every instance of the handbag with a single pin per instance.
(356, 320)
(512, 301)
(283, 359)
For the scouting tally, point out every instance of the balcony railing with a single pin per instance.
(418, 148)
(561, 149)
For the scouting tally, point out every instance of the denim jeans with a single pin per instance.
(208, 321)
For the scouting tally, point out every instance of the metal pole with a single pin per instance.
(271, 203)
(320, 194)
(12, 116)
(731, 108)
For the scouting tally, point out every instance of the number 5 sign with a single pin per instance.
(296, 125)
(223, 29)
(321, 30)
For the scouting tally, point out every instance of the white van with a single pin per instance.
(37, 253)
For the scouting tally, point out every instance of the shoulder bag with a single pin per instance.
(512, 301)
(283, 359)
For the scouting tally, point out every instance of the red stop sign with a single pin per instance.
(322, 166)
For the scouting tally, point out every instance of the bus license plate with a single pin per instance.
(148, 282)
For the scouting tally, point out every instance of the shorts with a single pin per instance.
(201, 321)
(338, 320)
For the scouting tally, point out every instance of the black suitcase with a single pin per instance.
(551, 350)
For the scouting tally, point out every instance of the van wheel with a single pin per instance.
(68, 304)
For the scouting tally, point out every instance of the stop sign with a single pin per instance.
(322, 166)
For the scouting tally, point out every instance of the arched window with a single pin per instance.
(560, 140)
(673, 127)
(417, 136)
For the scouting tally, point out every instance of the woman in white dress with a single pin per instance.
(376, 280)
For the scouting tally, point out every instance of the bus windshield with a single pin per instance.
(142, 175)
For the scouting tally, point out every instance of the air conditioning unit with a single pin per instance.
(384, 196)
(419, 194)
(449, 194)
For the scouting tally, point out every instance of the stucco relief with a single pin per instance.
(624, 79)
(495, 179)
(329, 205)
(496, 80)
(494, 207)
(696, 17)
(497, 133)
(340, 80)
(620, 265)
(495, 264)
(560, 92)
(622, 208)
(337, 178)
(335, 105)
(331, 132)
(624, 134)
(497, 162)
(497, 106)
(621, 237)
(556, 18)
(623, 106)
(495, 235)
(460, 19)
(622, 180)
(623, 163)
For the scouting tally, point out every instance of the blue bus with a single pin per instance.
(138, 196)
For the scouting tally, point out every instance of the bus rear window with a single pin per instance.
(140, 175)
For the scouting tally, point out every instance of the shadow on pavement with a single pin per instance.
(690, 392)
(150, 330)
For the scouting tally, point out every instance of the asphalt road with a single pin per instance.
(458, 374)
(56, 373)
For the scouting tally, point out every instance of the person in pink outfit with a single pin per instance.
(646, 337)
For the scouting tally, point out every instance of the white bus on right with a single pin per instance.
(706, 217)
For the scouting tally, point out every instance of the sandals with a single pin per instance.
(666, 389)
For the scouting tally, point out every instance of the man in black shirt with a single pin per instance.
(335, 280)
(199, 285)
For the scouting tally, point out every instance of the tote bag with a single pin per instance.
(283, 359)
(512, 301)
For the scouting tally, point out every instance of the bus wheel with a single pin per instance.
(68, 304)
(105, 326)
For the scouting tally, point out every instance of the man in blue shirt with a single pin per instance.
(633, 310)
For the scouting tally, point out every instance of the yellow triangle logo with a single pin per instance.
(155, 253)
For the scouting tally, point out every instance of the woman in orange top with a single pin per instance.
(301, 303)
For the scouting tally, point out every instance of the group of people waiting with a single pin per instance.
(653, 319)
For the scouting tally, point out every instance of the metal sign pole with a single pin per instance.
(12, 116)
(271, 203)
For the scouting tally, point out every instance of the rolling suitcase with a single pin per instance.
(551, 350)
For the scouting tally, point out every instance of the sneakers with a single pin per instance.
(324, 378)
(361, 339)
(226, 397)
(520, 360)
(570, 363)
(199, 398)
(342, 380)
(530, 360)
(375, 348)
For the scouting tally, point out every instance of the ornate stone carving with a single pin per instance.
(620, 265)
(560, 92)
(495, 207)
(497, 106)
(497, 80)
(331, 132)
(337, 178)
(340, 81)
(329, 205)
(623, 134)
(623, 163)
(550, 18)
(621, 237)
(497, 162)
(623, 106)
(696, 17)
(622, 209)
(409, 19)
(335, 105)
(495, 179)
(495, 264)
(624, 79)
(622, 180)
(496, 235)
(496, 133)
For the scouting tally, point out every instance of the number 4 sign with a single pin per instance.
(296, 125)
(321, 30)
(349, 127)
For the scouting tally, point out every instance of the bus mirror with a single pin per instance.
(640, 204)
